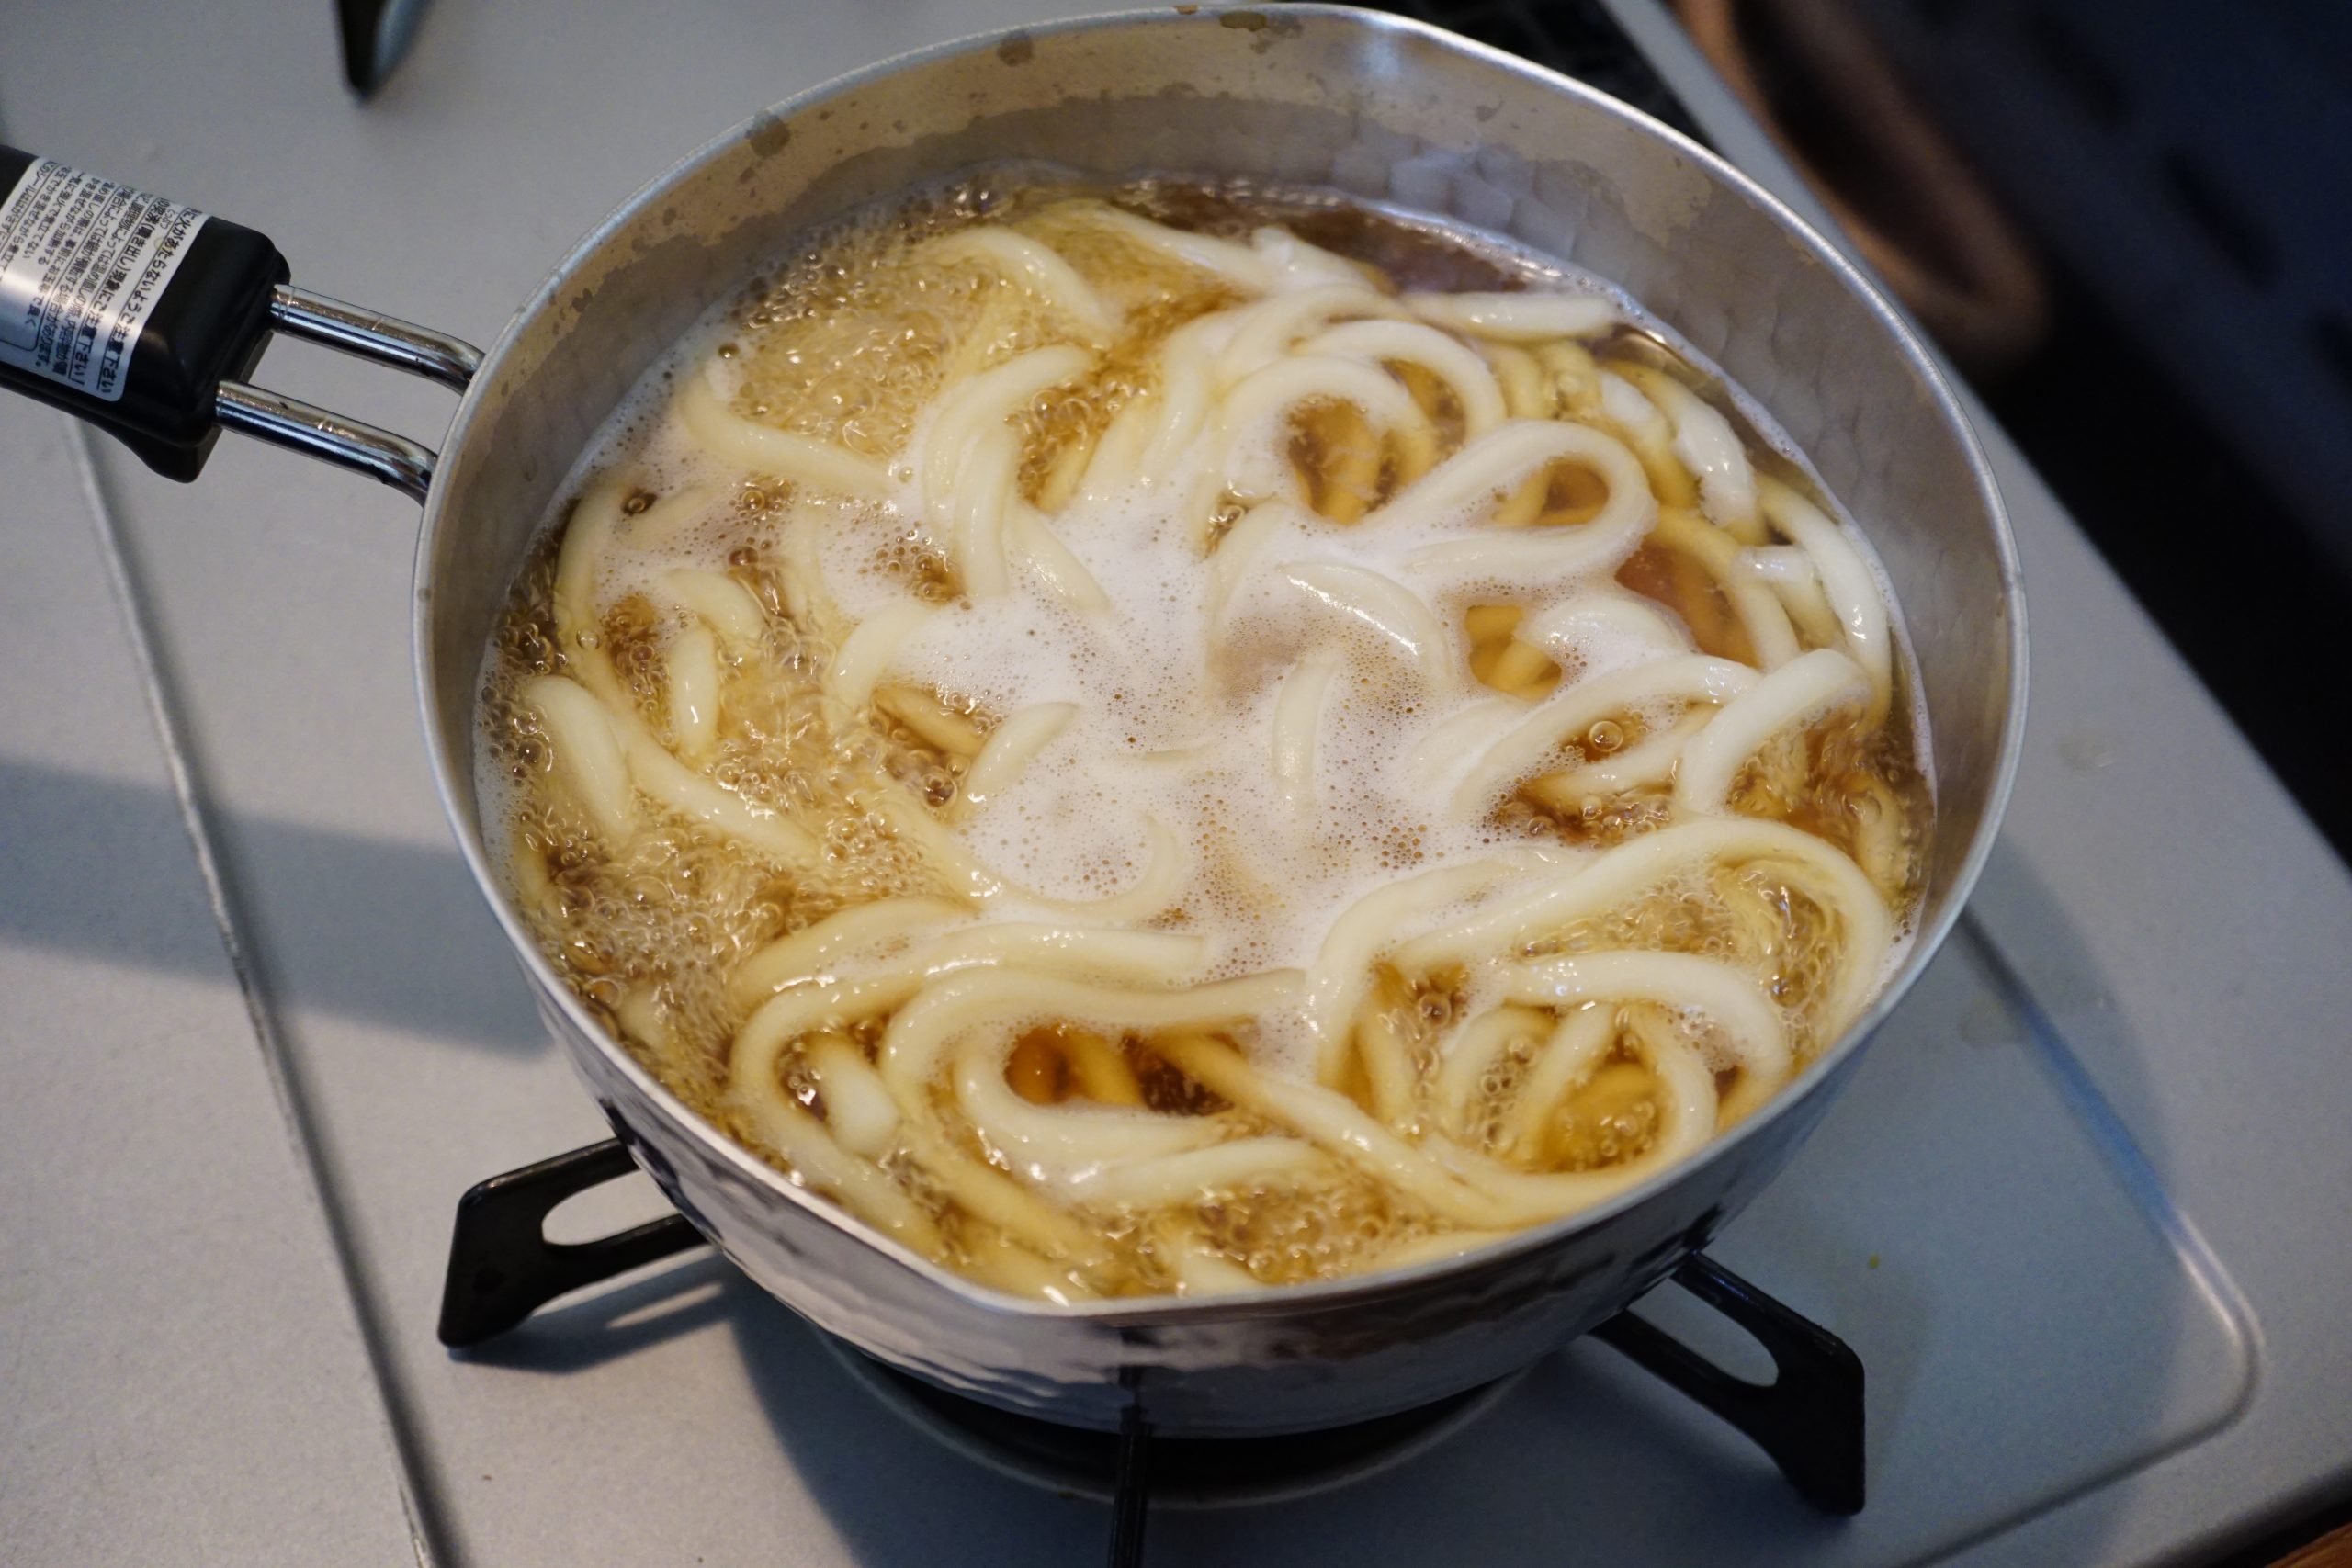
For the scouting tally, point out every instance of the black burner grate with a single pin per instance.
(1808, 1419)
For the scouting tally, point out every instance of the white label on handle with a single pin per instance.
(82, 263)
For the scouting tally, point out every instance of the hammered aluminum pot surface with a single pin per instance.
(1383, 109)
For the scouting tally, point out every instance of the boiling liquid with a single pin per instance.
(854, 343)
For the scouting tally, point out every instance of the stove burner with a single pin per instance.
(1808, 1419)
(1186, 1472)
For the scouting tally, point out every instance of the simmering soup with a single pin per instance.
(1171, 739)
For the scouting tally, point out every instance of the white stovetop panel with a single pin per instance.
(2083, 1213)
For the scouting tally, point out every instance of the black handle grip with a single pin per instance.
(78, 331)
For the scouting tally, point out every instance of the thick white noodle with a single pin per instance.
(1790, 573)
(1527, 392)
(1474, 1051)
(975, 514)
(672, 516)
(1703, 439)
(1381, 604)
(1805, 686)
(1507, 456)
(587, 754)
(690, 670)
(690, 794)
(915, 1044)
(1686, 1085)
(1558, 897)
(1187, 392)
(1299, 716)
(1264, 331)
(1622, 405)
(968, 459)
(1330, 1120)
(659, 774)
(1566, 1061)
(982, 404)
(803, 1145)
(867, 652)
(1011, 746)
(1081, 953)
(1031, 539)
(1574, 624)
(1413, 343)
(998, 1200)
(1027, 263)
(1846, 580)
(578, 564)
(1571, 377)
(795, 1013)
(813, 951)
(818, 1002)
(763, 449)
(1750, 1024)
(1779, 564)
(1156, 885)
(1564, 719)
(1114, 463)
(1197, 1174)
(1766, 622)
(1529, 317)
(1243, 419)
(1298, 265)
(1053, 1143)
(1018, 1270)
(725, 604)
(650, 765)
(1650, 761)
(1341, 976)
(1528, 557)
(808, 598)
(641, 1016)
(1457, 741)
(1238, 265)
(1230, 563)
(1201, 1270)
(1685, 1096)
(859, 1112)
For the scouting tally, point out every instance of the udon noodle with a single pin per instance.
(1159, 740)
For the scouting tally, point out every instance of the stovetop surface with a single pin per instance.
(2082, 1211)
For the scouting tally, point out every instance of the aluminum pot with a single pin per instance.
(1383, 109)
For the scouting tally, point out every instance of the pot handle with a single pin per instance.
(144, 316)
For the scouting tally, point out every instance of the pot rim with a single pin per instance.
(1168, 1312)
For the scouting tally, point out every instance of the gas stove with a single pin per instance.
(2081, 1215)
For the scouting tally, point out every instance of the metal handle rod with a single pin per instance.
(319, 432)
(405, 464)
(387, 339)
